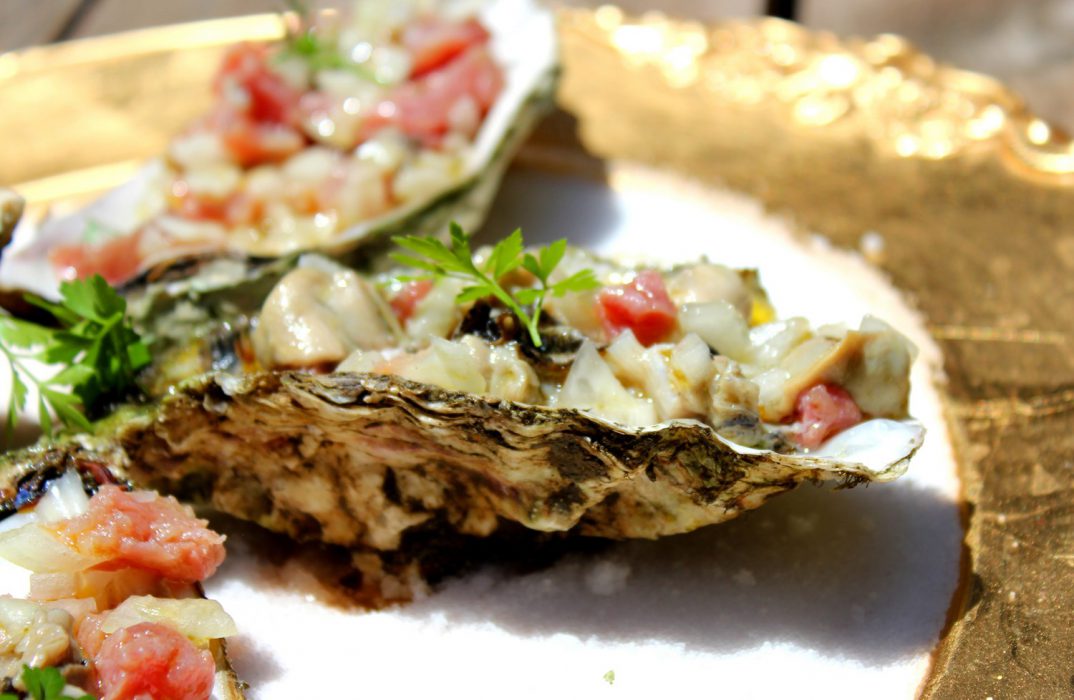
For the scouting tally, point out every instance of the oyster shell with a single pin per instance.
(522, 42)
(360, 460)
(24, 477)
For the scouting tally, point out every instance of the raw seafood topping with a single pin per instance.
(638, 346)
(113, 602)
(355, 115)
(141, 530)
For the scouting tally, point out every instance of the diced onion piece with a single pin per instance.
(107, 588)
(64, 499)
(626, 357)
(719, 325)
(691, 359)
(54, 586)
(452, 365)
(38, 549)
(591, 385)
(196, 618)
(706, 282)
(772, 341)
(510, 376)
(13, 522)
(771, 384)
(437, 313)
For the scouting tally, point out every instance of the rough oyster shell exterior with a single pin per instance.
(360, 460)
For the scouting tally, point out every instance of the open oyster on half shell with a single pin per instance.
(101, 582)
(394, 117)
(363, 410)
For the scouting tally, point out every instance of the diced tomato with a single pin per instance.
(433, 41)
(408, 298)
(238, 208)
(191, 206)
(252, 143)
(822, 411)
(89, 633)
(421, 108)
(145, 531)
(269, 99)
(643, 306)
(117, 259)
(258, 115)
(150, 661)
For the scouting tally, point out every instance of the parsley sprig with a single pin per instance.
(457, 261)
(318, 53)
(99, 350)
(43, 684)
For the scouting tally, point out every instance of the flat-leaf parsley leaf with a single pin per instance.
(99, 350)
(43, 684)
(436, 260)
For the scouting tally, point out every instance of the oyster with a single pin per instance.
(25, 479)
(521, 40)
(360, 460)
(447, 416)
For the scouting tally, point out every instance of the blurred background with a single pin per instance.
(1025, 43)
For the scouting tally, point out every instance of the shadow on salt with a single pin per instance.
(860, 574)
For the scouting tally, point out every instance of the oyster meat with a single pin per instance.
(47, 487)
(363, 417)
(395, 118)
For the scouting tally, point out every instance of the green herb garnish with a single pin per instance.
(457, 261)
(318, 53)
(609, 677)
(43, 684)
(99, 350)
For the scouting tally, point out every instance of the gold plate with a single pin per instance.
(971, 194)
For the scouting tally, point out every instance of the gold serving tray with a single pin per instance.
(973, 196)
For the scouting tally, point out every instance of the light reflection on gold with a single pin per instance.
(1038, 132)
(913, 106)
(838, 71)
(9, 65)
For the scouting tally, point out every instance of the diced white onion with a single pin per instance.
(454, 366)
(17, 520)
(391, 64)
(626, 357)
(511, 377)
(217, 180)
(64, 499)
(719, 325)
(591, 385)
(692, 359)
(437, 314)
(772, 341)
(34, 547)
(311, 165)
(770, 384)
(386, 151)
(196, 618)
